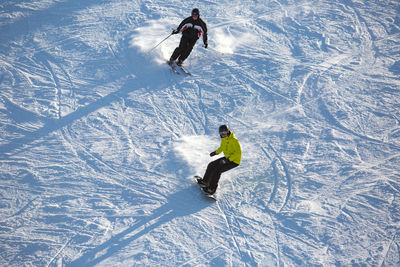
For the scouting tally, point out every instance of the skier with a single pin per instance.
(192, 28)
(232, 158)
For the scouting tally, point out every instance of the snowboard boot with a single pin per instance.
(208, 190)
(201, 182)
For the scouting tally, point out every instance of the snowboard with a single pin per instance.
(201, 188)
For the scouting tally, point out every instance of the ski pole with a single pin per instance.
(160, 42)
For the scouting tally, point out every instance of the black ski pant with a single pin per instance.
(215, 169)
(183, 50)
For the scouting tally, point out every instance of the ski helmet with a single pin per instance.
(196, 11)
(223, 130)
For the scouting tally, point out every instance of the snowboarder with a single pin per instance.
(232, 158)
(192, 28)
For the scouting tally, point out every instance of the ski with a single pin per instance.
(184, 70)
(173, 68)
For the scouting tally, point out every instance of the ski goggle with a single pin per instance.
(223, 134)
(195, 15)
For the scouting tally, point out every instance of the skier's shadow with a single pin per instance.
(142, 72)
(179, 204)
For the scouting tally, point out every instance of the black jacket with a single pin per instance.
(193, 29)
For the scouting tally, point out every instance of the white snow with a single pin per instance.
(100, 140)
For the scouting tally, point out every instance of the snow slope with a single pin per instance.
(99, 140)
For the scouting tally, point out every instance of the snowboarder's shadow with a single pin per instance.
(179, 204)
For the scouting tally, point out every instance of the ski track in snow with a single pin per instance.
(100, 140)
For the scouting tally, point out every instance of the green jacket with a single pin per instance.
(231, 148)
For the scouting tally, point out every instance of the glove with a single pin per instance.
(205, 45)
(213, 154)
(175, 31)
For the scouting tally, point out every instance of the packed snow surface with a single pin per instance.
(100, 140)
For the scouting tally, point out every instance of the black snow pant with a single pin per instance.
(183, 50)
(214, 171)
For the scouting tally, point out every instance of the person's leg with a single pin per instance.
(211, 168)
(178, 51)
(223, 166)
(175, 54)
(187, 50)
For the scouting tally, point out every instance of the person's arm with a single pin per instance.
(182, 24)
(237, 152)
(205, 36)
(219, 150)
